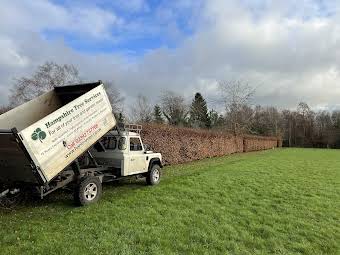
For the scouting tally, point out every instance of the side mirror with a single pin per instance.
(147, 147)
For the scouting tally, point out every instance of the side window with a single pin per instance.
(109, 143)
(135, 144)
(122, 143)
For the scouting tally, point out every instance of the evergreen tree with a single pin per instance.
(199, 117)
(157, 114)
(120, 117)
(216, 120)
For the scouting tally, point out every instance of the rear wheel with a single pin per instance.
(154, 175)
(88, 191)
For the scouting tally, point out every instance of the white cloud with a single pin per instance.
(289, 50)
(39, 15)
(10, 56)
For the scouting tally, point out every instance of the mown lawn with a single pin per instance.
(280, 201)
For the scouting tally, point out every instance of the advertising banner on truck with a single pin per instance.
(55, 141)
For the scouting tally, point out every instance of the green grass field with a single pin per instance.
(283, 201)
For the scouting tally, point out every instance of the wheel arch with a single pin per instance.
(154, 161)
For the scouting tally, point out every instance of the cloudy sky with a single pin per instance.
(289, 50)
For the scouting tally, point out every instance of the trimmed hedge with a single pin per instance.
(179, 145)
(258, 143)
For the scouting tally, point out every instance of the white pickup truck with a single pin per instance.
(68, 137)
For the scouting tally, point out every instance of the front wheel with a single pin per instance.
(154, 175)
(88, 191)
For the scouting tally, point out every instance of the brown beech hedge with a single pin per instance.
(179, 145)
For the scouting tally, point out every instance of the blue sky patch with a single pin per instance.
(141, 26)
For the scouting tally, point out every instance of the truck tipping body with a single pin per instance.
(40, 138)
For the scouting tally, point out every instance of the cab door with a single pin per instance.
(136, 157)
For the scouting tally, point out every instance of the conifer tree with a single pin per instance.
(199, 117)
(120, 117)
(157, 112)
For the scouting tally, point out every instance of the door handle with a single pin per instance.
(132, 159)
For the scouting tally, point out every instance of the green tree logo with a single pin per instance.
(38, 134)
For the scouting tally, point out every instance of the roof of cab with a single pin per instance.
(123, 133)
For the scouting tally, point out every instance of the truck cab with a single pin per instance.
(124, 152)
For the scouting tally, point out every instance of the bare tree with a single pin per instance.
(266, 121)
(274, 118)
(287, 122)
(236, 96)
(323, 123)
(306, 123)
(45, 78)
(4, 109)
(174, 108)
(115, 97)
(50, 75)
(336, 119)
(142, 110)
(303, 109)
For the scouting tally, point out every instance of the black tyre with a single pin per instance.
(153, 177)
(88, 191)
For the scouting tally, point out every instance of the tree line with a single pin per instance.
(300, 127)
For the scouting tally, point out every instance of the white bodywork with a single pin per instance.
(128, 160)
